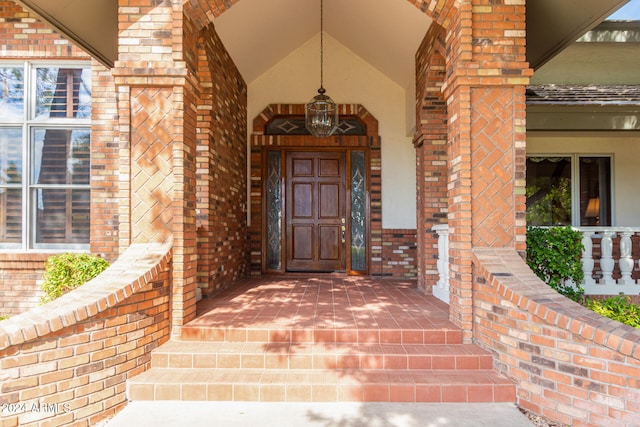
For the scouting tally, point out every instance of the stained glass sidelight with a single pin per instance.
(358, 211)
(274, 210)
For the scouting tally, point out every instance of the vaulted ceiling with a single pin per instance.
(259, 34)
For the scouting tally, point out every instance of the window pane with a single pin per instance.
(62, 216)
(595, 194)
(10, 187)
(548, 190)
(60, 156)
(63, 92)
(10, 156)
(11, 94)
(10, 217)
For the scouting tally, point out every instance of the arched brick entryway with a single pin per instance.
(483, 86)
(365, 141)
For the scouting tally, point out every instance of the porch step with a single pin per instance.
(321, 385)
(340, 356)
(309, 339)
(275, 334)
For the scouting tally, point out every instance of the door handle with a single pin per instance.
(344, 230)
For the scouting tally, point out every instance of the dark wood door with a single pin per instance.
(316, 211)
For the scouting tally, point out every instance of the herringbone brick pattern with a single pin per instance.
(151, 168)
(492, 174)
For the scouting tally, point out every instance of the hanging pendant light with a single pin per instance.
(321, 113)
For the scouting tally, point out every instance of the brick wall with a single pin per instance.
(399, 253)
(23, 36)
(223, 245)
(430, 141)
(571, 365)
(20, 274)
(105, 163)
(68, 361)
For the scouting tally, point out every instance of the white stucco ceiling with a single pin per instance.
(258, 35)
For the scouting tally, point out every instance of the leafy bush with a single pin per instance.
(618, 308)
(3, 317)
(67, 271)
(553, 253)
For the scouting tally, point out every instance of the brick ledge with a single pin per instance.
(135, 268)
(512, 278)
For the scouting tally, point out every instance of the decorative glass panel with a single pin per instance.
(10, 186)
(358, 212)
(11, 94)
(274, 210)
(63, 92)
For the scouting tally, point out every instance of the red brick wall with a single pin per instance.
(571, 365)
(223, 245)
(19, 282)
(23, 36)
(68, 362)
(105, 163)
(430, 141)
(486, 63)
(399, 253)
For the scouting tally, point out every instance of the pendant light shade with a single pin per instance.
(321, 113)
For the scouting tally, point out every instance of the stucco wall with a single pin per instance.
(383, 98)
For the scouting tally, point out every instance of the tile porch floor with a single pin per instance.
(321, 338)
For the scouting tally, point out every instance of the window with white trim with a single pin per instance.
(569, 189)
(45, 137)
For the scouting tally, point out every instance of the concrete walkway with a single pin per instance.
(343, 414)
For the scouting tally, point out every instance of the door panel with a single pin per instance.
(302, 204)
(315, 211)
(302, 238)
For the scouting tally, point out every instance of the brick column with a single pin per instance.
(485, 91)
(157, 134)
(430, 142)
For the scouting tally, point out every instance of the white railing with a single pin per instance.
(609, 262)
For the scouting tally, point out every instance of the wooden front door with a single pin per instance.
(316, 211)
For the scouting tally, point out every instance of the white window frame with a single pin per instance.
(575, 181)
(28, 125)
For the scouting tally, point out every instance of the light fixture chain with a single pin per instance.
(321, 43)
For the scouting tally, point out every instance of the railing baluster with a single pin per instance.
(587, 258)
(606, 260)
(626, 262)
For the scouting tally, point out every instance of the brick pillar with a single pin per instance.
(156, 93)
(430, 142)
(485, 91)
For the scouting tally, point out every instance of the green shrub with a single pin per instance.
(3, 317)
(618, 308)
(553, 253)
(67, 271)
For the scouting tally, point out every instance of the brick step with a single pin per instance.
(275, 334)
(321, 385)
(252, 355)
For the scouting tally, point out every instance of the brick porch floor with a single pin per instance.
(321, 338)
